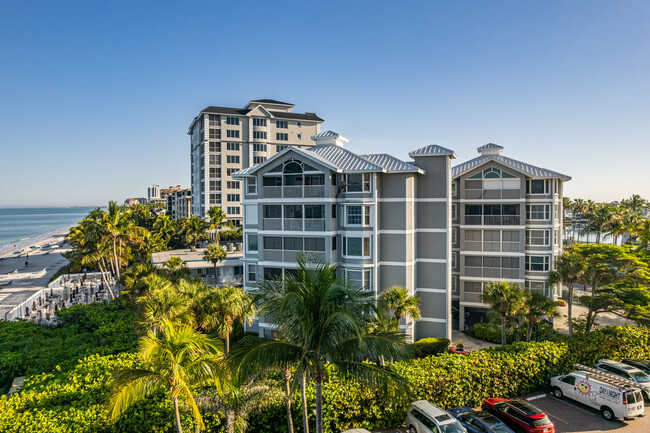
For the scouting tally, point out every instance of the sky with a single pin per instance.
(96, 97)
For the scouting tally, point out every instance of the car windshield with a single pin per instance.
(500, 429)
(452, 427)
(640, 376)
(541, 421)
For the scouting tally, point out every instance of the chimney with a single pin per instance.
(490, 149)
(329, 138)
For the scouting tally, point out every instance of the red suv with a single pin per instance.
(519, 415)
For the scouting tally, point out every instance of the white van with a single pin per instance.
(613, 398)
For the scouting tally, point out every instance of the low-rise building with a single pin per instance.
(134, 200)
(228, 272)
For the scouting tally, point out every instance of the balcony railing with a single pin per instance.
(294, 224)
(272, 223)
(307, 191)
(314, 224)
(491, 194)
(505, 246)
(485, 272)
(492, 220)
(290, 256)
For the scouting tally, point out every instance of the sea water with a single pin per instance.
(22, 226)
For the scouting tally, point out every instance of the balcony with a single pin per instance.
(290, 256)
(294, 224)
(485, 272)
(307, 191)
(492, 194)
(492, 220)
(496, 246)
(272, 223)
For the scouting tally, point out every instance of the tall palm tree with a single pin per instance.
(579, 207)
(218, 220)
(570, 267)
(505, 299)
(643, 235)
(636, 203)
(196, 231)
(537, 305)
(321, 321)
(120, 229)
(165, 227)
(174, 359)
(398, 301)
(134, 277)
(164, 303)
(214, 253)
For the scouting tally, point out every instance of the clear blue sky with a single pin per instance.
(96, 97)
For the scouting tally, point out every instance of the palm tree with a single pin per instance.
(196, 231)
(636, 203)
(214, 254)
(238, 400)
(505, 299)
(570, 267)
(579, 207)
(176, 268)
(218, 220)
(321, 321)
(643, 235)
(163, 303)
(119, 228)
(220, 308)
(165, 227)
(133, 278)
(174, 359)
(537, 305)
(397, 300)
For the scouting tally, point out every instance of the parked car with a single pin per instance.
(626, 372)
(612, 398)
(519, 415)
(425, 417)
(641, 364)
(478, 421)
(357, 430)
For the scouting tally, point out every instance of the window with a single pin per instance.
(571, 380)
(215, 159)
(233, 197)
(333, 243)
(537, 263)
(537, 186)
(299, 136)
(281, 124)
(252, 242)
(272, 211)
(230, 171)
(232, 146)
(453, 260)
(251, 183)
(357, 182)
(453, 187)
(259, 122)
(233, 210)
(280, 147)
(233, 184)
(281, 136)
(213, 119)
(454, 284)
(366, 215)
(215, 147)
(232, 120)
(215, 172)
(272, 243)
(538, 237)
(538, 212)
(314, 244)
(252, 273)
(259, 159)
(259, 134)
(453, 211)
(232, 159)
(540, 286)
(215, 134)
(315, 211)
(215, 198)
(232, 134)
(358, 247)
(354, 215)
(215, 185)
(453, 236)
(258, 147)
(333, 211)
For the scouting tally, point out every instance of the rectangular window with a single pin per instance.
(367, 279)
(293, 244)
(333, 211)
(538, 237)
(252, 242)
(453, 212)
(233, 184)
(280, 147)
(232, 120)
(215, 159)
(281, 136)
(537, 186)
(215, 146)
(215, 172)
(316, 211)
(333, 243)
(259, 134)
(252, 273)
(234, 210)
(453, 260)
(259, 122)
(215, 185)
(353, 215)
(366, 247)
(230, 133)
(215, 198)
(538, 212)
(537, 263)
(233, 197)
(258, 147)
(259, 159)
(214, 120)
(453, 188)
(232, 146)
(352, 246)
(540, 286)
(272, 211)
(230, 171)
(281, 124)
(232, 159)
(272, 243)
(366, 215)
(215, 134)
(453, 236)
(314, 244)
(251, 183)
(299, 136)
(454, 284)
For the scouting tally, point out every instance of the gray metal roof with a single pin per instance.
(344, 159)
(391, 164)
(490, 146)
(326, 134)
(527, 169)
(433, 150)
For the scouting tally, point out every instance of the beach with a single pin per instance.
(24, 270)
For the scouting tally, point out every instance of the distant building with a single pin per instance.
(224, 140)
(153, 192)
(179, 203)
(229, 272)
(135, 200)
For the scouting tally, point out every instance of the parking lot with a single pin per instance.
(569, 416)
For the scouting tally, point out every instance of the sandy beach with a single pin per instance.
(25, 270)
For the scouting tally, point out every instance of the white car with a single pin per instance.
(425, 417)
(628, 372)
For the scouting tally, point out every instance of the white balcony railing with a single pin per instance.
(300, 191)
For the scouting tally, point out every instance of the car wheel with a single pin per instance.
(608, 414)
(557, 392)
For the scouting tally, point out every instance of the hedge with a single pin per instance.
(430, 346)
(67, 401)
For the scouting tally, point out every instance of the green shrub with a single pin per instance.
(430, 346)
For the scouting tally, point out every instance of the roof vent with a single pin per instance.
(329, 138)
(490, 149)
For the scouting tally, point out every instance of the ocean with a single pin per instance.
(22, 226)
